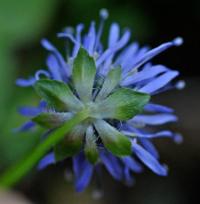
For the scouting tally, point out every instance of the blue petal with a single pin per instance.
(65, 69)
(112, 40)
(33, 111)
(112, 164)
(113, 34)
(110, 51)
(42, 105)
(79, 29)
(129, 180)
(157, 119)
(47, 45)
(149, 146)
(128, 56)
(46, 161)
(25, 82)
(83, 172)
(164, 133)
(158, 108)
(54, 68)
(178, 85)
(76, 43)
(141, 52)
(68, 36)
(129, 50)
(29, 111)
(25, 127)
(152, 53)
(149, 160)
(147, 73)
(132, 164)
(41, 72)
(159, 82)
(90, 39)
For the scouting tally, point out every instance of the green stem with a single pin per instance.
(16, 172)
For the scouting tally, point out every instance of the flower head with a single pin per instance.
(114, 86)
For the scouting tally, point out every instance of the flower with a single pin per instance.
(114, 85)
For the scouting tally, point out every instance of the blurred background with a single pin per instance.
(22, 25)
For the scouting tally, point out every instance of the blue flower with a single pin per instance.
(137, 74)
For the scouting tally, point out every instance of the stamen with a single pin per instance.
(67, 35)
(41, 72)
(97, 194)
(79, 29)
(178, 138)
(68, 175)
(180, 85)
(178, 41)
(104, 13)
(103, 16)
(155, 51)
(69, 30)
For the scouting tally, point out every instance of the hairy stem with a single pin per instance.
(16, 172)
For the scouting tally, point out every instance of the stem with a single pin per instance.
(16, 172)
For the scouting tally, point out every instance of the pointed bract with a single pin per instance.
(83, 75)
(90, 148)
(123, 104)
(71, 144)
(111, 81)
(113, 140)
(52, 119)
(58, 95)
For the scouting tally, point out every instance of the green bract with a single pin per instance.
(52, 119)
(58, 95)
(83, 75)
(111, 81)
(115, 141)
(122, 104)
(90, 149)
(108, 101)
(71, 144)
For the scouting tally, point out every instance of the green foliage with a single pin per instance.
(21, 22)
